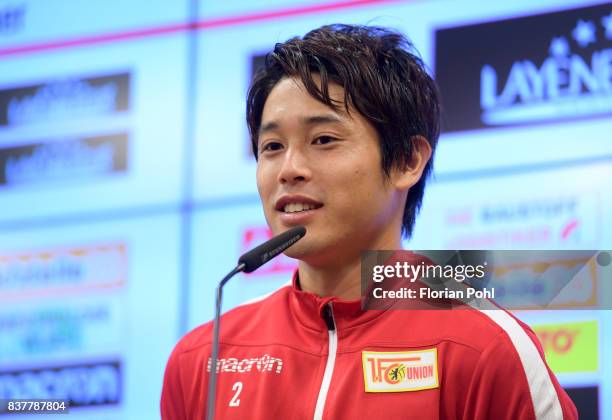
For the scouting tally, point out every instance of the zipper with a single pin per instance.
(328, 316)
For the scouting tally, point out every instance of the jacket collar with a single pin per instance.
(308, 307)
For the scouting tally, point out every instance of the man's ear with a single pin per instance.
(413, 170)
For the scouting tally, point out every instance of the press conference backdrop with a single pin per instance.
(127, 183)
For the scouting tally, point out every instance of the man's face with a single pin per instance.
(322, 169)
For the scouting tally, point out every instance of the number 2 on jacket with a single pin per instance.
(235, 401)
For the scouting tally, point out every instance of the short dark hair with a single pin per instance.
(383, 78)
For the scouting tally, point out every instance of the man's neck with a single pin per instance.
(341, 277)
(342, 282)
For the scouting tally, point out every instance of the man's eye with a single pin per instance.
(324, 140)
(271, 146)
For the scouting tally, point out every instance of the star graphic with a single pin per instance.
(584, 33)
(559, 47)
(606, 21)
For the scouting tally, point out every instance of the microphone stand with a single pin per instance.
(248, 262)
(212, 384)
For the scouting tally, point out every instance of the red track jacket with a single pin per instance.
(294, 355)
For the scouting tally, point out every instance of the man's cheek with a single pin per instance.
(269, 214)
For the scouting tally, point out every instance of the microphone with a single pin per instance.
(248, 262)
(263, 253)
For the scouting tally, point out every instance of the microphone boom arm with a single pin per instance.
(248, 262)
(212, 383)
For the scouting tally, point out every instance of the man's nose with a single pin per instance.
(295, 167)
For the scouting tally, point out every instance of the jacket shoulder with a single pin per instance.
(236, 321)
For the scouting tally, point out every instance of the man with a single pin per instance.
(344, 123)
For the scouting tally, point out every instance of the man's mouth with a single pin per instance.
(297, 207)
(296, 203)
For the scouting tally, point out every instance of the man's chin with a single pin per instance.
(304, 250)
(311, 254)
(302, 247)
(310, 249)
(298, 251)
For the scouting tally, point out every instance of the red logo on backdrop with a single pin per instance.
(559, 341)
(570, 230)
(253, 236)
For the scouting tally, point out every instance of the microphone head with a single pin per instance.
(263, 253)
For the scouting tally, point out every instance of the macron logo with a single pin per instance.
(265, 363)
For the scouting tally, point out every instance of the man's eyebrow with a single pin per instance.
(321, 119)
(306, 120)
(269, 126)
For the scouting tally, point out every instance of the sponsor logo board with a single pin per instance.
(88, 384)
(549, 280)
(64, 160)
(60, 271)
(533, 69)
(69, 329)
(562, 221)
(68, 99)
(570, 347)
